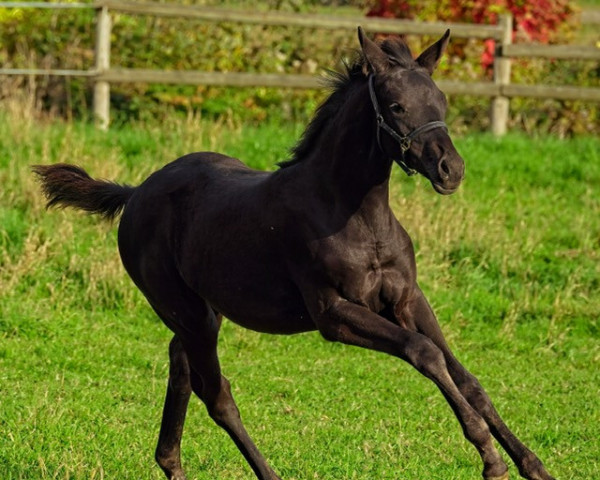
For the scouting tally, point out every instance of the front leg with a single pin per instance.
(352, 324)
(419, 314)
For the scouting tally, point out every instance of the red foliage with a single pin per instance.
(533, 20)
(391, 9)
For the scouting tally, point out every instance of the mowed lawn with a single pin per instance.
(510, 263)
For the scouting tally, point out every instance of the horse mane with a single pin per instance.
(339, 83)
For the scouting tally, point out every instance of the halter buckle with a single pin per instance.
(405, 145)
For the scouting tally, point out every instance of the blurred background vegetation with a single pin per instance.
(65, 39)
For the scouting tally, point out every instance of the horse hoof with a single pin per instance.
(501, 477)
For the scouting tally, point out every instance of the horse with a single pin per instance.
(313, 245)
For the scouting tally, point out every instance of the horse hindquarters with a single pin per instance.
(196, 326)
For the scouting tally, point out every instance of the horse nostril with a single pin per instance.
(443, 169)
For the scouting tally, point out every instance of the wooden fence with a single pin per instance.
(500, 89)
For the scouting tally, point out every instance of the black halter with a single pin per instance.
(403, 141)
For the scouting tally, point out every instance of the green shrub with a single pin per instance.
(65, 39)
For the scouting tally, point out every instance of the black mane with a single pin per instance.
(339, 83)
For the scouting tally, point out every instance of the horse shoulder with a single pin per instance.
(369, 268)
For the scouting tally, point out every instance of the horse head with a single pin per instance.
(410, 110)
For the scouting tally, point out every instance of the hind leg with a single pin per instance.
(196, 327)
(214, 390)
(178, 394)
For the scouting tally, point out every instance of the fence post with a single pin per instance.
(500, 104)
(102, 88)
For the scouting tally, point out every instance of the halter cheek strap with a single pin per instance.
(404, 141)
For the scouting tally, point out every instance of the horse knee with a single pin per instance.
(472, 390)
(426, 357)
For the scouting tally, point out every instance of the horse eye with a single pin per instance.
(397, 109)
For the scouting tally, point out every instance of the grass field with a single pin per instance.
(510, 263)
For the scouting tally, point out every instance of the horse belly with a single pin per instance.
(238, 271)
(269, 304)
(272, 318)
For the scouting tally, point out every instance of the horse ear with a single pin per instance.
(376, 61)
(430, 58)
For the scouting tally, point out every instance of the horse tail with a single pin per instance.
(67, 185)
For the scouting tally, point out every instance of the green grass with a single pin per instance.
(510, 264)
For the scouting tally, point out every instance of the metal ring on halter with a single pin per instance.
(404, 141)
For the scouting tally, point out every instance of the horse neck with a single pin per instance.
(348, 163)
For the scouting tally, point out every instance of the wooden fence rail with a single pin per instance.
(308, 20)
(500, 89)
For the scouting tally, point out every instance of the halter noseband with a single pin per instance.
(403, 141)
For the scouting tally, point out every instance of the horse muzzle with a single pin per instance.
(449, 175)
